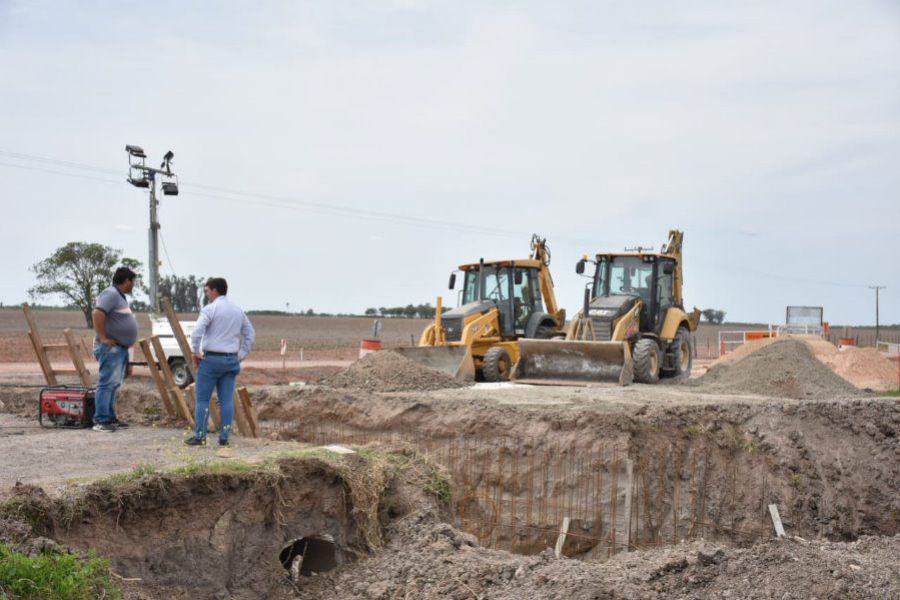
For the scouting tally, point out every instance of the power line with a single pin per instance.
(264, 199)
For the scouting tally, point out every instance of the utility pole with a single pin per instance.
(142, 176)
(877, 288)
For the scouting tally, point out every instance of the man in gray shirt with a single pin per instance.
(116, 330)
(223, 336)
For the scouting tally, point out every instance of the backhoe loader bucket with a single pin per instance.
(456, 361)
(563, 362)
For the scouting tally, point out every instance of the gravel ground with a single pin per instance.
(50, 457)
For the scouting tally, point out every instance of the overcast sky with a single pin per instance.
(366, 148)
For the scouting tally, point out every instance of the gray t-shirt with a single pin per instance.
(121, 325)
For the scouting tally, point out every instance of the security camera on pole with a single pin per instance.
(142, 176)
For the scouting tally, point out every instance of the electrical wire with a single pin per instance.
(284, 202)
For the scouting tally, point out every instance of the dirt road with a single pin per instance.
(52, 457)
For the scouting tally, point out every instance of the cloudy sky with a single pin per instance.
(340, 155)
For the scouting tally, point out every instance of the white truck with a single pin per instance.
(159, 325)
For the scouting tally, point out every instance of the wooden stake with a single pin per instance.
(158, 379)
(561, 540)
(38, 346)
(248, 411)
(176, 394)
(776, 520)
(239, 417)
(178, 332)
(83, 375)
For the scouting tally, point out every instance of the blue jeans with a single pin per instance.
(113, 362)
(219, 373)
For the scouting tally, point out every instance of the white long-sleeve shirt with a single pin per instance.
(223, 327)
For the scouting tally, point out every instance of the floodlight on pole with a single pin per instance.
(142, 176)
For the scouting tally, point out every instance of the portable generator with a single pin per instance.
(66, 406)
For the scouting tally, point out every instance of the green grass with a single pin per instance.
(60, 576)
(891, 394)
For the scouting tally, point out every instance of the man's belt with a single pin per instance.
(211, 353)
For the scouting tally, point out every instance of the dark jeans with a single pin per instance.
(219, 373)
(113, 362)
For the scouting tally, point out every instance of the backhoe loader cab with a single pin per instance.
(501, 301)
(514, 288)
(632, 326)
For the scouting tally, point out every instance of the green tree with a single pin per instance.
(186, 293)
(78, 272)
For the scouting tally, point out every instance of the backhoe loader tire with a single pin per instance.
(646, 361)
(683, 354)
(496, 365)
(545, 332)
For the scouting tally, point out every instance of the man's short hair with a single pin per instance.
(219, 284)
(122, 275)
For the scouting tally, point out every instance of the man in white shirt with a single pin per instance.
(223, 337)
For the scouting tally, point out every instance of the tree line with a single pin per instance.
(410, 311)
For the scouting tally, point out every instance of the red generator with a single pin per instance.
(66, 406)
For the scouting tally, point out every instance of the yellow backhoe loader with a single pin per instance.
(502, 301)
(632, 326)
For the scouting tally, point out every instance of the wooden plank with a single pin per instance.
(561, 540)
(56, 346)
(175, 393)
(65, 371)
(38, 345)
(776, 520)
(178, 332)
(157, 378)
(248, 411)
(240, 418)
(83, 375)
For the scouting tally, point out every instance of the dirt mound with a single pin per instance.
(429, 559)
(866, 368)
(387, 371)
(783, 368)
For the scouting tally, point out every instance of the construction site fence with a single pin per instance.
(514, 495)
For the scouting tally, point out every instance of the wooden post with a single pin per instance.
(248, 411)
(214, 410)
(629, 473)
(83, 375)
(561, 540)
(776, 520)
(38, 346)
(178, 332)
(157, 378)
(239, 417)
(177, 394)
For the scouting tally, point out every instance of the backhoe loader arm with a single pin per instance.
(672, 248)
(540, 251)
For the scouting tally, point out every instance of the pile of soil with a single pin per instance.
(274, 376)
(387, 371)
(783, 368)
(866, 368)
(426, 558)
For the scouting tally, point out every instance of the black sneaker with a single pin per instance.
(223, 442)
(121, 424)
(105, 427)
(194, 441)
